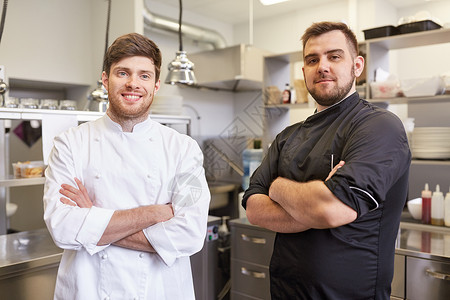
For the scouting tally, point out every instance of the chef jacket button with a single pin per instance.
(141, 255)
(97, 139)
(149, 176)
(106, 298)
(104, 256)
(97, 176)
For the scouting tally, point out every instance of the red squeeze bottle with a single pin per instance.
(426, 205)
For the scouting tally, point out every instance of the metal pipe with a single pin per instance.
(193, 32)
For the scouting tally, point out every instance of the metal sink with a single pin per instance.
(221, 193)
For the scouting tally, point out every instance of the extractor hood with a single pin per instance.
(234, 68)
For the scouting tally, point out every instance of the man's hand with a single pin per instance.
(336, 167)
(77, 196)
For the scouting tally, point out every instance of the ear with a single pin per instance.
(358, 65)
(157, 85)
(105, 80)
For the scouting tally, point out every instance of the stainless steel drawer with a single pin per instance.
(252, 245)
(250, 279)
(427, 279)
(239, 296)
(398, 282)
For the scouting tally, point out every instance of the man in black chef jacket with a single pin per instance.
(333, 186)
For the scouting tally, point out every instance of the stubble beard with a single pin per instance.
(335, 95)
(122, 113)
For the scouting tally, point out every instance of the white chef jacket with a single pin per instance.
(120, 170)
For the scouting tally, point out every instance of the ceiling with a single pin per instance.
(237, 11)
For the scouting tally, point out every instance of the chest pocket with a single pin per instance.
(309, 156)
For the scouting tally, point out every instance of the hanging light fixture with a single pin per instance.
(100, 94)
(181, 69)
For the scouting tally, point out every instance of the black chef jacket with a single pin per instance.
(354, 261)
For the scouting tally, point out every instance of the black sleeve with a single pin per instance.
(376, 156)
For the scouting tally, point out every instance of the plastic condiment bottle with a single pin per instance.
(437, 207)
(286, 96)
(447, 210)
(426, 205)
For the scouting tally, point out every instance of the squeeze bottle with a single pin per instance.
(437, 207)
(426, 205)
(286, 94)
(447, 209)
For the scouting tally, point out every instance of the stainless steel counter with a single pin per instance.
(24, 250)
(28, 265)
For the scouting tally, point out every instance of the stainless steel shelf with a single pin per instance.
(413, 100)
(82, 116)
(430, 162)
(12, 182)
(416, 39)
(287, 106)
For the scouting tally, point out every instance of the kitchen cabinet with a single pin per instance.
(7, 181)
(427, 111)
(421, 262)
(251, 250)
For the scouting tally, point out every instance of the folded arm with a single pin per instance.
(294, 206)
(125, 227)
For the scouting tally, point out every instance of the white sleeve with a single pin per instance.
(184, 234)
(71, 227)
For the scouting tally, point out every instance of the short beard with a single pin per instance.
(336, 95)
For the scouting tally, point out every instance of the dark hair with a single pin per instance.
(132, 44)
(320, 28)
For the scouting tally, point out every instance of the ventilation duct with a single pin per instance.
(235, 68)
(195, 33)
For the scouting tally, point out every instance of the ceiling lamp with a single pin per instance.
(270, 2)
(100, 94)
(181, 69)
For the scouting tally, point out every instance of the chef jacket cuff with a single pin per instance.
(157, 237)
(93, 228)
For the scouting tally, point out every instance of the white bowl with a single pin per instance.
(415, 208)
(417, 87)
(11, 209)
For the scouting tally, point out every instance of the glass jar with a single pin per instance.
(11, 102)
(29, 103)
(49, 104)
(67, 105)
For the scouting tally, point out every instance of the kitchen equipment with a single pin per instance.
(235, 68)
(167, 105)
(382, 31)
(418, 26)
(97, 99)
(207, 276)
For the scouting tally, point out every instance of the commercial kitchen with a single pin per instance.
(244, 54)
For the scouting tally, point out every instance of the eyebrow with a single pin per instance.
(332, 51)
(128, 69)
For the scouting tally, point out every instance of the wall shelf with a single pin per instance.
(10, 181)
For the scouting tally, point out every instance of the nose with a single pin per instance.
(132, 82)
(323, 66)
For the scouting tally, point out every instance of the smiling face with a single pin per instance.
(330, 68)
(131, 86)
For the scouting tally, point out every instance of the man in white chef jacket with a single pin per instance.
(126, 197)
